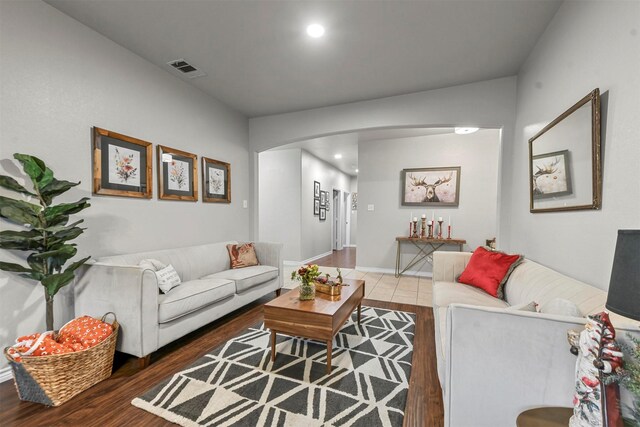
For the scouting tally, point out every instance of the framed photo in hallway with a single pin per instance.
(431, 186)
(177, 177)
(121, 165)
(323, 199)
(316, 206)
(316, 190)
(216, 181)
(323, 214)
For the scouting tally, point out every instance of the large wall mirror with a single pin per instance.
(564, 160)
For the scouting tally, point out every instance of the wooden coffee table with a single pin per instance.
(319, 319)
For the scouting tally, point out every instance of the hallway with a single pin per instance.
(345, 258)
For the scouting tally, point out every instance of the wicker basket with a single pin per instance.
(53, 380)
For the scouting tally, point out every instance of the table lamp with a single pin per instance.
(624, 287)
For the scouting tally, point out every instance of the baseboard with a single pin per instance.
(307, 261)
(349, 246)
(5, 374)
(392, 271)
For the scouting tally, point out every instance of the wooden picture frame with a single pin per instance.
(323, 199)
(323, 214)
(216, 181)
(177, 174)
(316, 190)
(431, 186)
(122, 165)
(316, 207)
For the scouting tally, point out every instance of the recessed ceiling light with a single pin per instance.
(315, 30)
(465, 131)
(337, 156)
(357, 170)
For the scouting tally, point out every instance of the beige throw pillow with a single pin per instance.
(242, 255)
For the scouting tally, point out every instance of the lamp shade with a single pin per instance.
(624, 287)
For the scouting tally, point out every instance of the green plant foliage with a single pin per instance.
(47, 229)
(629, 377)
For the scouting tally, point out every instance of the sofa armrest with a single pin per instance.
(131, 293)
(449, 265)
(270, 254)
(500, 363)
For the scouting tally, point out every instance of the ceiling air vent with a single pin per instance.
(185, 69)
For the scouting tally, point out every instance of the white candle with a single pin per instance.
(424, 216)
(430, 222)
(439, 218)
(415, 219)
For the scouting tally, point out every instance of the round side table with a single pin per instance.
(545, 417)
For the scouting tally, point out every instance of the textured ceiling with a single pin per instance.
(259, 60)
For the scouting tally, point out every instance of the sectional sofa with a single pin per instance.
(495, 362)
(209, 290)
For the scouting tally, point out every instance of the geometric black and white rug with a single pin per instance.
(236, 384)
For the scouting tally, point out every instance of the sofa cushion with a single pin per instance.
(445, 293)
(247, 277)
(489, 270)
(191, 296)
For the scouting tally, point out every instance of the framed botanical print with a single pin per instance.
(316, 206)
(316, 190)
(431, 186)
(177, 177)
(216, 181)
(323, 214)
(323, 199)
(122, 165)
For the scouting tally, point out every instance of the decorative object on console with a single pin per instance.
(595, 402)
(430, 225)
(431, 186)
(216, 181)
(423, 232)
(554, 183)
(306, 275)
(241, 256)
(177, 174)
(47, 231)
(624, 286)
(440, 221)
(121, 165)
(489, 271)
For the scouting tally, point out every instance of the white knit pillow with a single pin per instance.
(168, 278)
(151, 264)
(528, 306)
(562, 307)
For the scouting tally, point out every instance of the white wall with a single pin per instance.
(280, 195)
(315, 234)
(60, 78)
(487, 104)
(379, 182)
(586, 45)
(353, 217)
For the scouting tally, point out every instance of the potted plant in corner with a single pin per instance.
(46, 230)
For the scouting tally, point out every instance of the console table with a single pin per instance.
(425, 248)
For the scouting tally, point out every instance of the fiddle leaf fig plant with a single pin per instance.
(46, 229)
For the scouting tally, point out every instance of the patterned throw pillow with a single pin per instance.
(489, 270)
(242, 255)
(168, 278)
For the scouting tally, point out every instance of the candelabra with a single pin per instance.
(430, 225)
(449, 231)
(415, 229)
(424, 228)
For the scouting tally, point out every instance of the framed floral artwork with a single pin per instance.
(216, 181)
(121, 165)
(177, 177)
(431, 186)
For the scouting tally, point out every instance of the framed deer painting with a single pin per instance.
(431, 186)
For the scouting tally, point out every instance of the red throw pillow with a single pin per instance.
(489, 271)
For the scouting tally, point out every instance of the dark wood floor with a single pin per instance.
(345, 258)
(109, 402)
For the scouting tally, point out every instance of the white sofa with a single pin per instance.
(209, 290)
(494, 363)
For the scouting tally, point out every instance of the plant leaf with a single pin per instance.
(36, 264)
(45, 179)
(20, 240)
(56, 228)
(32, 166)
(19, 212)
(54, 282)
(67, 234)
(15, 268)
(55, 188)
(74, 266)
(11, 184)
(51, 212)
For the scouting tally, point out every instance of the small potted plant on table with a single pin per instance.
(306, 275)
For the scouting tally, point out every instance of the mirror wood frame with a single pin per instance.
(596, 174)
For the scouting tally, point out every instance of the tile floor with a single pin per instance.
(381, 287)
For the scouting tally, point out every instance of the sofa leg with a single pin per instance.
(277, 292)
(143, 362)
